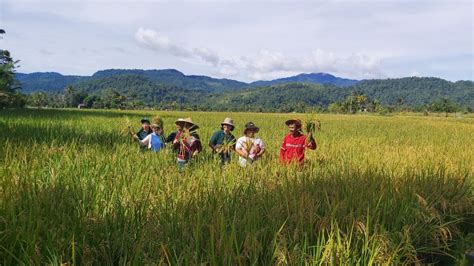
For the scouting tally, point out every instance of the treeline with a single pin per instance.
(172, 90)
(9, 86)
(293, 97)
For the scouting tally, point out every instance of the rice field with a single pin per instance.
(379, 190)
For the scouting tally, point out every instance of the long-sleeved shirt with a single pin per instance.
(220, 138)
(171, 136)
(252, 145)
(293, 147)
(153, 142)
(141, 134)
(187, 146)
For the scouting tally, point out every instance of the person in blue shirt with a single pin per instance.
(153, 141)
(223, 142)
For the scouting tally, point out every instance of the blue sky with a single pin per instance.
(244, 40)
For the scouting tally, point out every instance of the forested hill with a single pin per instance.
(312, 78)
(279, 98)
(172, 77)
(46, 81)
(53, 82)
(407, 92)
(172, 89)
(415, 91)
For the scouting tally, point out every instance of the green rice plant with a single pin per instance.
(379, 190)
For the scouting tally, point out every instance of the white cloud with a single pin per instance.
(242, 39)
(207, 55)
(265, 64)
(155, 41)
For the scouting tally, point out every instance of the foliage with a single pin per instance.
(12, 100)
(7, 72)
(9, 97)
(415, 91)
(48, 82)
(38, 99)
(171, 89)
(444, 105)
(313, 78)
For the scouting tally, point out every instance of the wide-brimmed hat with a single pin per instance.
(228, 121)
(186, 121)
(145, 120)
(295, 121)
(251, 126)
(155, 126)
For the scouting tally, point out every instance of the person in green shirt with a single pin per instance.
(223, 142)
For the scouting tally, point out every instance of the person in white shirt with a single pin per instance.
(153, 141)
(249, 147)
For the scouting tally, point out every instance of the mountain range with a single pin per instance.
(169, 88)
(52, 81)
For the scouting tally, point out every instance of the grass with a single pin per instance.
(378, 191)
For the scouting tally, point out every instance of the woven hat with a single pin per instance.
(295, 121)
(251, 126)
(228, 121)
(155, 126)
(186, 122)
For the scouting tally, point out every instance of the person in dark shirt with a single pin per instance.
(143, 132)
(171, 137)
(223, 142)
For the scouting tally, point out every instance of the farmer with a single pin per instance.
(249, 147)
(144, 131)
(172, 135)
(294, 144)
(223, 142)
(161, 133)
(153, 141)
(186, 141)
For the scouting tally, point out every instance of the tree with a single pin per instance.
(90, 100)
(38, 99)
(69, 96)
(73, 97)
(113, 99)
(444, 105)
(9, 98)
(336, 108)
(7, 72)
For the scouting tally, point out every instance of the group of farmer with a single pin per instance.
(186, 144)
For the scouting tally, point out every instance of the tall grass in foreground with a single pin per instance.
(379, 190)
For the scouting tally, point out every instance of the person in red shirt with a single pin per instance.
(294, 144)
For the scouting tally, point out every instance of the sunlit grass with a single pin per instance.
(378, 190)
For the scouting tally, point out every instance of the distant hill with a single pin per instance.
(288, 97)
(312, 78)
(409, 92)
(173, 77)
(138, 87)
(170, 88)
(51, 81)
(415, 91)
(46, 81)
